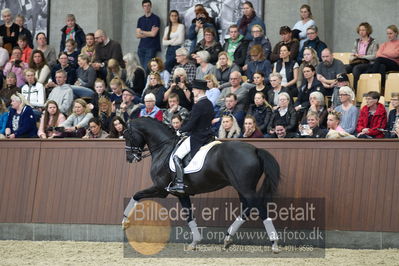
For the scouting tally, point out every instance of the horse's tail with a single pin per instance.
(271, 169)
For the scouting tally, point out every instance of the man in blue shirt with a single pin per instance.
(148, 33)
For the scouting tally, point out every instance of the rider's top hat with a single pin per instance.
(199, 84)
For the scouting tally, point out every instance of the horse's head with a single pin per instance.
(134, 140)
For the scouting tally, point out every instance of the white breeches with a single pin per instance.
(183, 149)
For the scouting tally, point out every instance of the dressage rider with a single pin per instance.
(199, 127)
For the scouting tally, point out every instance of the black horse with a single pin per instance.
(231, 163)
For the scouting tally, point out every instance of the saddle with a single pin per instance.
(192, 165)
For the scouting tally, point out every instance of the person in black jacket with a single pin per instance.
(283, 113)
(20, 21)
(72, 31)
(199, 127)
(236, 46)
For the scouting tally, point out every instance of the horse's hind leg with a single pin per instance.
(186, 204)
(240, 220)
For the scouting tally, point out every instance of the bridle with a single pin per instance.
(137, 151)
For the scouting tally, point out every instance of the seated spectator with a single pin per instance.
(260, 39)
(63, 64)
(104, 113)
(126, 108)
(287, 68)
(317, 105)
(77, 123)
(16, 66)
(33, 92)
(224, 67)
(21, 122)
(116, 86)
(393, 116)
(287, 40)
(106, 49)
(333, 121)
(99, 87)
(230, 107)
(95, 130)
(261, 110)
(20, 21)
(284, 113)
(229, 128)
(259, 82)
(309, 58)
(173, 39)
(312, 128)
(302, 25)
(9, 30)
(3, 118)
(89, 49)
(363, 53)
(313, 42)
(176, 122)
(309, 85)
(86, 75)
(115, 71)
(259, 63)
(118, 126)
(26, 50)
(240, 92)
(62, 94)
(236, 46)
(213, 93)
(181, 86)
(48, 50)
(248, 20)
(272, 95)
(196, 31)
(204, 68)
(342, 81)
(155, 87)
(387, 55)
(395, 133)
(50, 121)
(135, 74)
(10, 88)
(349, 112)
(372, 118)
(156, 65)
(251, 129)
(72, 31)
(182, 59)
(70, 50)
(4, 56)
(328, 70)
(38, 63)
(209, 44)
(280, 132)
(151, 110)
(173, 110)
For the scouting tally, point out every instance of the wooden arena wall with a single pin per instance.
(85, 181)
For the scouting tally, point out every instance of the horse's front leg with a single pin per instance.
(197, 237)
(151, 192)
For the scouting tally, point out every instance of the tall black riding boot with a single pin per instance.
(178, 186)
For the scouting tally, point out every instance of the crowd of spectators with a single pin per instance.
(295, 88)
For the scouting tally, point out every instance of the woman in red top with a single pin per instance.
(372, 117)
(251, 130)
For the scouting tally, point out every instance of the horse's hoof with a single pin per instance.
(275, 248)
(228, 241)
(192, 247)
(125, 223)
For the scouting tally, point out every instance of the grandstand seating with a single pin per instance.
(366, 83)
(344, 57)
(391, 85)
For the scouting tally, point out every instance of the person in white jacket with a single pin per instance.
(173, 38)
(34, 92)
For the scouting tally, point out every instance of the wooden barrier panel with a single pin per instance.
(85, 181)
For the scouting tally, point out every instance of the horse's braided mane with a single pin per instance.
(163, 125)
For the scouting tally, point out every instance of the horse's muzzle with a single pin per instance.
(133, 157)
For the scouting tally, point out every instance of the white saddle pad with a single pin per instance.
(197, 162)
